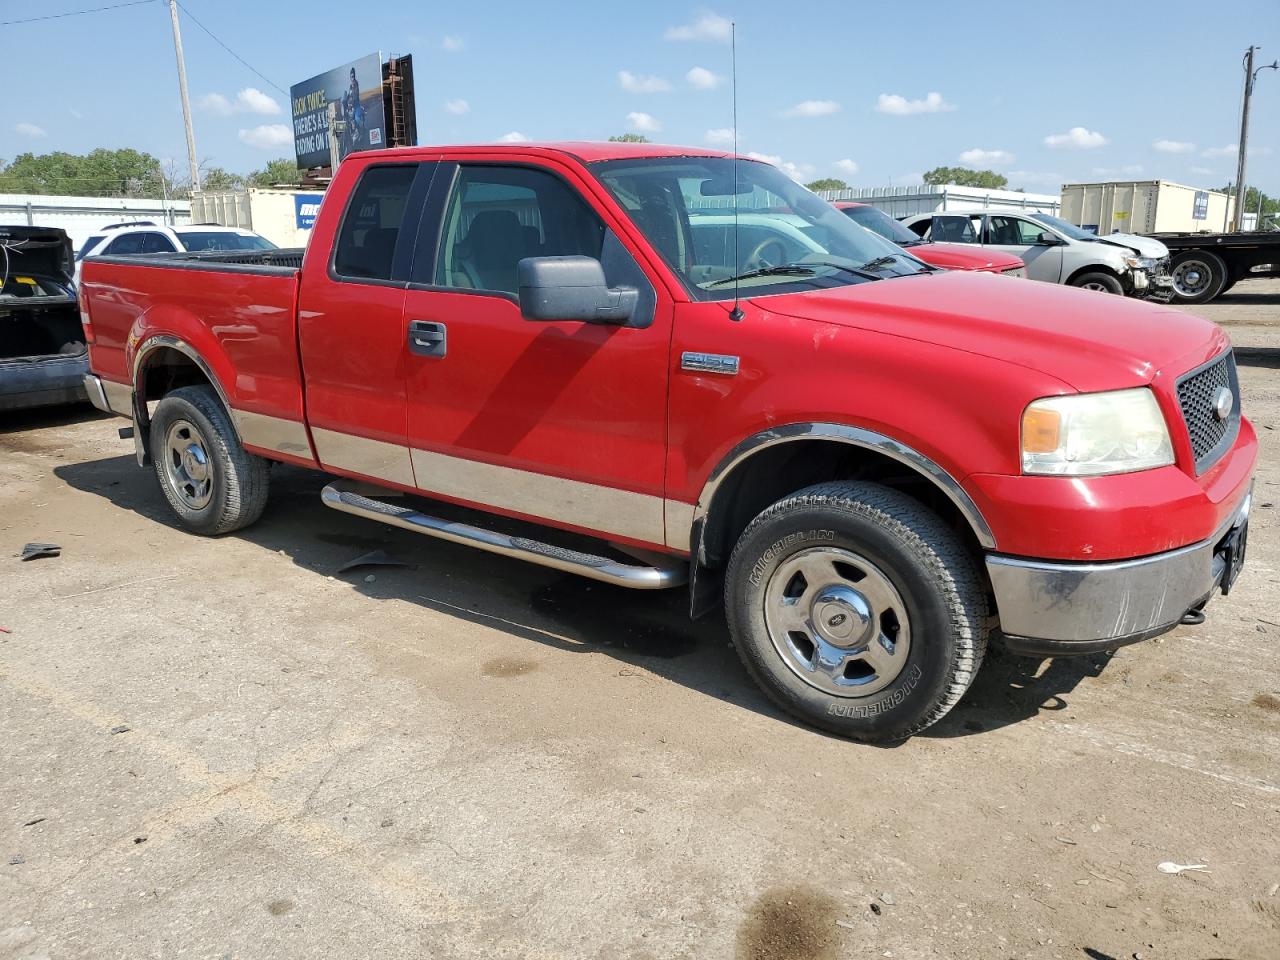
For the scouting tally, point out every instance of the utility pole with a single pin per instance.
(186, 102)
(1250, 76)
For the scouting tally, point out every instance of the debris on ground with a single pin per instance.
(139, 839)
(121, 729)
(875, 908)
(1170, 867)
(370, 578)
(374, 558)
(32, 823)
(888, 898)
(34, 550)
(5, 630)
(15, 860)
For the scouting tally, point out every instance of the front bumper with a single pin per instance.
(1050, 608)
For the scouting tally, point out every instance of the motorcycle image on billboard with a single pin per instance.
(338, 112)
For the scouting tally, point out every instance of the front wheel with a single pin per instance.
(857, 610)
(1101, 282)
(211, 482)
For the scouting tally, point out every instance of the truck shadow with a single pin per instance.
(570, 614)
(1258, 357)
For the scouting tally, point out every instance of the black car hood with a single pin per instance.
(40, 251)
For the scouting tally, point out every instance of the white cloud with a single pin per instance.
(215, 103)
(1034, 178)
(248, 100)
(515, 136)
(268, 136)
(846, 166)
(1077, 138)
(1174, 146)
(457, 107)
(451, 43)
(813, 108)
(635, 83)
(29, 130)
(796, 171)
(700, 78)
(253, 100)
(1228, 151)
(900, 106)
(642, 122)
(720, 135)
(1203, 171)
(706, 26)
(987, 158)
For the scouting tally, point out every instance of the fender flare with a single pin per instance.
(141, 416)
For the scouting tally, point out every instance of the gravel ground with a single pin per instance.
(226, 748)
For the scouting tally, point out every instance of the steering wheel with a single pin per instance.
(757, 259)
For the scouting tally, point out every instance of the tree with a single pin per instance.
(629, 138)
(277, 171)
(964, 177)
(217, 180)
(828, 183)
(1270, 205)
(99, 173)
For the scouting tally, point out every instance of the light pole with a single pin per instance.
(186, 103)
(1250, 76)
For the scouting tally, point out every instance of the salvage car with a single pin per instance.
(1056, 251)
(949, 256)
(42, 350)
(874, 466)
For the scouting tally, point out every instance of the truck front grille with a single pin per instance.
(1198, 393)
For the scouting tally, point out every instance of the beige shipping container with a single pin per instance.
(277, 215)
(1145, 206)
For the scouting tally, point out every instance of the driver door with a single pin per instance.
(562, 422)
(1021, 237)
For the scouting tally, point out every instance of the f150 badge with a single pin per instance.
(709, 363)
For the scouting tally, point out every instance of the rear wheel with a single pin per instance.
(856, 609)
(1101, 282)
(1198, 276)
(212, 484)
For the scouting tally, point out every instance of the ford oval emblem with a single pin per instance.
(1223, 401)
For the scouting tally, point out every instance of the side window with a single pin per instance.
(921, 227)
(497, 216)
(367, 239)
(126, 244)
(1029, 231)
(953, 229)
(1013, 231)
(156, 243)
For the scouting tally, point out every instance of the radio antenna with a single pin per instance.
(736, 313)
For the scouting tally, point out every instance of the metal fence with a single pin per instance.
(926, 198)
(82, 216)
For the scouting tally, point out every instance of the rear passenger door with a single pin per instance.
(1021, 237)
(563, 422)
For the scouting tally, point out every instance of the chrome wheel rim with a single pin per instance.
(837, 622)
(187, 466)
(1190, 277)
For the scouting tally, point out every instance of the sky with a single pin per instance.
(871, 93)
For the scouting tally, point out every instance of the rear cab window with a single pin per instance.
(371, 226)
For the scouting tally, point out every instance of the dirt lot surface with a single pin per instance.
(225, 748)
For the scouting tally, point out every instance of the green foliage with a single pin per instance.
(629, 138)
(217, 180)
(100, 173)
(1270, 205)
(277, 171)
(964, 177)
(828, 183)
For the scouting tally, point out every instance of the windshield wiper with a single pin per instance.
(784, 270)
(878, 262)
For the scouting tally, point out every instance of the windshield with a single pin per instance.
(787, 238)
(218, 240)
(1064, 228)
(881, 223)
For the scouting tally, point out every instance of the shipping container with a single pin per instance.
(1145, 206)
(284, 217)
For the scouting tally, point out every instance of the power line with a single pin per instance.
(226, 48)
(75, 13)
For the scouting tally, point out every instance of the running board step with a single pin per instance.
(340, 497)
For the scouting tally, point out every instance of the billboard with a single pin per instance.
(355, 92)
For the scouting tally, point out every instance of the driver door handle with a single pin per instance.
(427, 338)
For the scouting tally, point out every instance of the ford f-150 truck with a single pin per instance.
(876, 464)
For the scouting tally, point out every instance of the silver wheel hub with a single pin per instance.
(837, 622)
(1190, 277)
(186, 465)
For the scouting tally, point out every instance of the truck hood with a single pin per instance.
(1089, 340)
(1142, 246)
(961, 256)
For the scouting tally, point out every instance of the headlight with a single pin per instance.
(1140, 263)
(1089, 434)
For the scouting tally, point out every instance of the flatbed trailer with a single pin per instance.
(1207, 265)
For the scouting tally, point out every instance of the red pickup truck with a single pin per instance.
(878, 465)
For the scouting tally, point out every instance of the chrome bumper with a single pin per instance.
(1052, 608)
(109, 396)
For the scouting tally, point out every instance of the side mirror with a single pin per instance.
(1048, 240)
(571, 288)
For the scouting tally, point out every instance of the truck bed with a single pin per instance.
(1179, 241)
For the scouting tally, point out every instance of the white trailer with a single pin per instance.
(284, 217)
(1145, 206)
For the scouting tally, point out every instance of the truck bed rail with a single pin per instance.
(285, 261)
